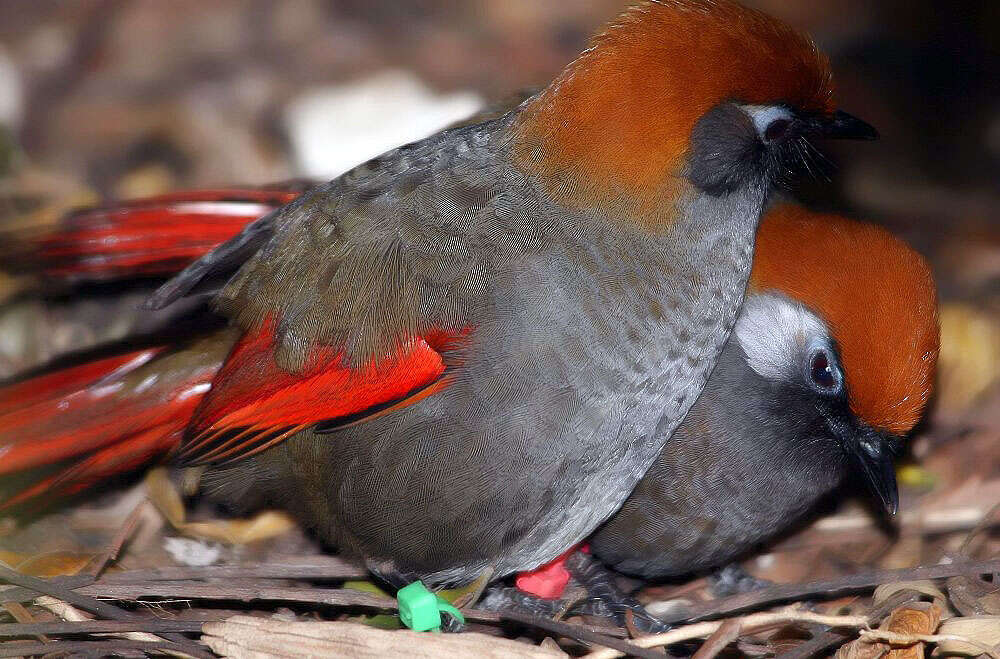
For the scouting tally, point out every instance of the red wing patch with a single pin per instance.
(254, 404)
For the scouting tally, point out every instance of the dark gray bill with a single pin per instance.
(874, 456)
(841, 126)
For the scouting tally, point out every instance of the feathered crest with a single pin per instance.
(878, 297)
(620, 117)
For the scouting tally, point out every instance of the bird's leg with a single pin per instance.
(576, 601)
(468, 595)
(733, 579)
(600, 586)
(460, 597)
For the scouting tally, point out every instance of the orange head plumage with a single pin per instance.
(876, 294)
(618, 121)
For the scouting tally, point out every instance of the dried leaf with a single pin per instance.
(912, 619)
(970, 350)
(55, 564)
(380, 620)
(860, 649)
(909, 619)
(167, 499)
(365, 587)
(915, 476)
(10, 286)
(145, 181)
(924, 587)
(244, 637)
(981, 630)
(991, 603)
(468, 594)
(970, 595)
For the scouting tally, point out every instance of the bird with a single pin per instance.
(458, 359)
(758, 449)
(830, 365)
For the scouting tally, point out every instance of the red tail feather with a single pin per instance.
(131, 453)
(157, 236)
(53, 385)
(105, 417)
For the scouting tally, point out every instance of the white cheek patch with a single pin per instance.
(775, 333)
(764, 115)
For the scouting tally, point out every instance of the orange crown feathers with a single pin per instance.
(619, 118)
(878, 297)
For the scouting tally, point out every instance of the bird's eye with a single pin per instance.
(823, 371)
(777, 129)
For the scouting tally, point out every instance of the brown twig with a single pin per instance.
(91, 648)
(986, 521)
(728, 632)
(332, 569)
(22, 616)
(853, 582)
(120, 538)
(51, 588)
(754, 621)
(222, 591)
(581, 633)
(89, 604)
(814, 646)
(151, 625)
(20, 594)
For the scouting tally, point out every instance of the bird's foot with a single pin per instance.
(733, 579)
(611, 601)
(448, 602)
(505, 598)
(450, 624)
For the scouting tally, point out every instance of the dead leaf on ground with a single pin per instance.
(916, 618)
(970, 350)
(167, 499)
(56, 564)
(924, 587)
(982, 630)
(245, 636)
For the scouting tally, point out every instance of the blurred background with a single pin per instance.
(111, 99)
(104, 99)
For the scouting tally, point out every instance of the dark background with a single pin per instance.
(103, 82)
